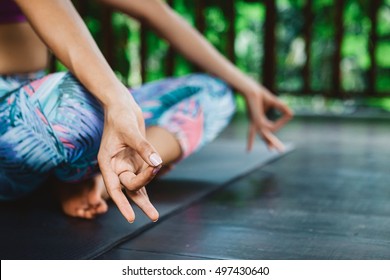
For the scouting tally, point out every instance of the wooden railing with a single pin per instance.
(269, 63)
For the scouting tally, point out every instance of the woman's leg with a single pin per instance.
(48, 125)
(181, 114)
(27, 150)
(192, 109)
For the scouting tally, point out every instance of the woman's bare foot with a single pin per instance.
(85, 199)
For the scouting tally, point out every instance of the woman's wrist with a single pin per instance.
(249, 88)
(114, 96)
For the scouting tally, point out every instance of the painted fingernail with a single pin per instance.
(155, 159)
(156, 170)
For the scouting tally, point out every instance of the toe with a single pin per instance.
(89, 213)
(80, 212)
(85, 213)
(94, 198)
(101, 208)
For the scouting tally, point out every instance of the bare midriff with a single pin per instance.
(21, 50)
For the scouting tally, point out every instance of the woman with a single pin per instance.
(68, 123)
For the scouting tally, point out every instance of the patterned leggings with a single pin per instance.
(52, 125)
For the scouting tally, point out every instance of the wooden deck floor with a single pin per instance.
(329, 199)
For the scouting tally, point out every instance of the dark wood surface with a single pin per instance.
(329, 199)
(35, 228)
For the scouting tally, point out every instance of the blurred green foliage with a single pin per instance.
(249, 25)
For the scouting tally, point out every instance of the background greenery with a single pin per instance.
(249, 51)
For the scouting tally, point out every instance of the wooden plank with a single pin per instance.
(339, 27)
(231, 32)
(316, 203)
(307, 33)
(52, 63)
(372, 47)
(200, 22)
(269, 62)
(123, 254)
(143, 52)
(108, 35)
(170, 61)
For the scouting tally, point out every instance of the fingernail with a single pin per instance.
(156, 170)
(155, 159)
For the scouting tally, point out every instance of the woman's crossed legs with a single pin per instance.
(52, 125)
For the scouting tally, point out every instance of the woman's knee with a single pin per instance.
(216, 94)
(216, 98)
(200, 118)
(25, 162)
(79, 127)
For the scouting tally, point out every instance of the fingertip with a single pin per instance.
(150, 211)
(155, 216)
(155, 159)
(156, 170)
(89, 215)
(280, 148)
(80, 213)
(289, 112)
(129, 216)
(149, 174)
(123, 205)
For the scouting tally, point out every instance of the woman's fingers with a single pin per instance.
(122, 203)
(272, 141)
(134, 182)
(287, 114)
(266, 134)
(263, 126)
(114, 188)
(122, 157)
(118, 172)
(135, 190)
(251, 136)
(141, 198)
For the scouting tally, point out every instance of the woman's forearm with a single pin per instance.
(63, 31)
(186, 40)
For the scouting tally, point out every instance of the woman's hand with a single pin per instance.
(127, 161)
(258, 103)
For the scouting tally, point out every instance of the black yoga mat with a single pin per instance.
(35, 228)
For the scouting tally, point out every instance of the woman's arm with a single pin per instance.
(195, 47)
(123, 144)
(64, 32)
